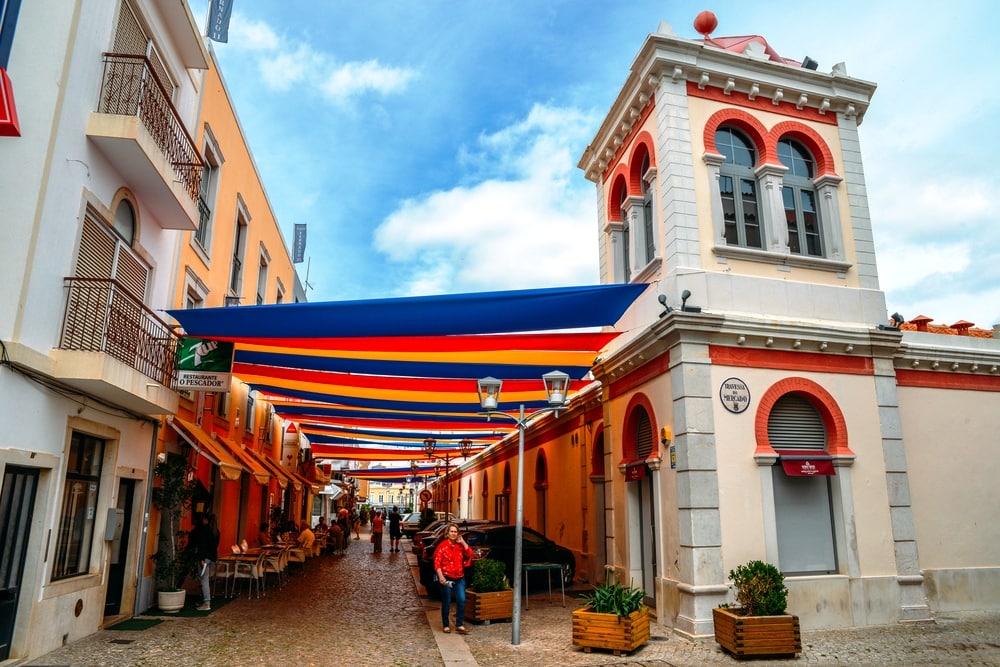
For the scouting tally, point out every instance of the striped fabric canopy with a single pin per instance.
(370, 380)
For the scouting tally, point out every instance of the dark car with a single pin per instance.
(496, 541)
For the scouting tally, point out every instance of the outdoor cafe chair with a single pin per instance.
(224, 571)
(252, 570)
(276, 562)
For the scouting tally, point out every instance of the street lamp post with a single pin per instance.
(556, 387)
(466, 449)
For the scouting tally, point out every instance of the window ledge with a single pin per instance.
(644, 274)
(782, 259)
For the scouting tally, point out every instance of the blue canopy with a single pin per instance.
(442, 315)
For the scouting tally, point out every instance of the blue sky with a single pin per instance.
(431, 146)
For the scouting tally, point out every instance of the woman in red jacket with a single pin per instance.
(450, 560)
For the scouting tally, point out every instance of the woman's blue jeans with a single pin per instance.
(457, 592)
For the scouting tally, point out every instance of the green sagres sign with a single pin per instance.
(204, 365)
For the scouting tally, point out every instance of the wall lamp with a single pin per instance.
(556, 390)
(685, 295)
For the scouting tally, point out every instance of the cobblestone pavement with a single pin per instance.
(363, 609)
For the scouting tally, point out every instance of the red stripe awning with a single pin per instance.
(806, 463)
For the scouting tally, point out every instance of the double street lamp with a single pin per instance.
(465, 447)
(556, 388)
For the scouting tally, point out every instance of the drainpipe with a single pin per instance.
(144, 533)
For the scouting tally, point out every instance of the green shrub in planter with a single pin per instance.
(760, 589)
(612, 597)
(488, 576)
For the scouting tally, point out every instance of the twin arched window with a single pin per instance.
(739, 190)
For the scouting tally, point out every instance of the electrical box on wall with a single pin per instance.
(113, 527)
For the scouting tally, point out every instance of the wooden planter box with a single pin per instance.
(756, 636)
(486, 607)
(607, 631)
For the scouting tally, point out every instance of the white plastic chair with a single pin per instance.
(249, 570)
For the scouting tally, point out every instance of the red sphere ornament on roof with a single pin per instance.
(705, 23)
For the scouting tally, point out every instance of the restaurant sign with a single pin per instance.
(204, 365)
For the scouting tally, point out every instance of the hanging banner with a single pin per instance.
(299, 244)
(219, 13)
(204, 365)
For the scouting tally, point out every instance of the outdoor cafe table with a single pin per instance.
(547, 568)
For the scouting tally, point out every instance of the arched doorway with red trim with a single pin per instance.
(601, 519)
(638, 445)
(541, 487)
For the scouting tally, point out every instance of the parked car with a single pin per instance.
(420, 537)
(496, 541)
(410, 524)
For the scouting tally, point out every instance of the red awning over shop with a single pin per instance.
(806, 463)
(9, 126)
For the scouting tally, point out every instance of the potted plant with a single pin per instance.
(612, 617)
(759, 626)
(171, 497)
(489, 596)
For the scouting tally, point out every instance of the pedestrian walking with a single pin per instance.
(378, 524)
(395, 529)
(450, 561)
(205, 538)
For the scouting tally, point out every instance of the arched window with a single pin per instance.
(798, 196)
(626, 237)
(647, 212)
(738, 187)
(124, 223)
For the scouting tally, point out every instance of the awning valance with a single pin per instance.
(251, 463)
(280, 474)
(805, 462)
(229, 469)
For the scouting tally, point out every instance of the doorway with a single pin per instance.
(17, 502)
(119, 550)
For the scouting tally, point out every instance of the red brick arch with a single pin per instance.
(822, 400)
(630, 450)
(641, 147)
(619, 182)
(746, 123)
(809, 138)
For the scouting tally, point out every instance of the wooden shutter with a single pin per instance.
(794, 423)
(643, 434)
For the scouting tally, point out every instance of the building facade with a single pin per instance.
(251, 469)
(99, 180)
(765, 406)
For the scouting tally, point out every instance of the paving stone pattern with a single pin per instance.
(361, 609)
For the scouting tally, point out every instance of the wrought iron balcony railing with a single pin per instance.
(130, 88)
(102, 316)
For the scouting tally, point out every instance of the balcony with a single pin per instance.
(115, 348)
(140, 132)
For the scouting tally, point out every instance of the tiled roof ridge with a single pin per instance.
(960, 328)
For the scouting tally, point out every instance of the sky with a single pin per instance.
(431, 146)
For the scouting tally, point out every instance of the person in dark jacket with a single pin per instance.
(206, 544)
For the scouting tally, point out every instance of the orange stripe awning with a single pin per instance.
(229, 468)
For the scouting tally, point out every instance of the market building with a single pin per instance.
(767, 405)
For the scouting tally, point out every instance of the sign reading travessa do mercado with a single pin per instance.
(735, 395)
(204, 365)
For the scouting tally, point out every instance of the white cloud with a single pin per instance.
(287, 64)
(356, 78)
(526, 228)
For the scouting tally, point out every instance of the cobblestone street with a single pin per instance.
(362, 609)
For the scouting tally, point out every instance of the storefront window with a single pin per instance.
(79, 506)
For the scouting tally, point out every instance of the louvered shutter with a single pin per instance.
(97, 251)
(794, 423)
(643, 434)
